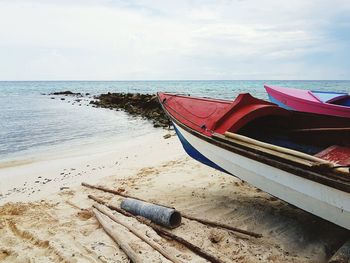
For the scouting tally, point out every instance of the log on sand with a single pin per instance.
(103, 209)
(203, 221)
(222, 226)
(161, 231)
(105, 223)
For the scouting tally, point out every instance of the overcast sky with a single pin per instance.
(178, 39)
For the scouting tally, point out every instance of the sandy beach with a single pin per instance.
(46, 216)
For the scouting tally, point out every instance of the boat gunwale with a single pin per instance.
(328, 179)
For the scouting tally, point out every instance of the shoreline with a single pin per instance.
(35, 177)
(28, 176)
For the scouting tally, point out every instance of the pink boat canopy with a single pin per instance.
(321, 102)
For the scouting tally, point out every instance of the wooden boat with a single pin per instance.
(301, 158)
(321, 102)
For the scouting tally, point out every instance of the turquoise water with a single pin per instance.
(31, 122)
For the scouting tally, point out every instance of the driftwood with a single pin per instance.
(223, 226)
(206, 222)
(103, 209)
(342, 255)
(134, 256)
(104, 189)
(161, 231)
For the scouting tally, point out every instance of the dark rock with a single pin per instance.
(67, 92)
(136, 104)
(167, 136)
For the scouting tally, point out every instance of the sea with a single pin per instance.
(32, 122)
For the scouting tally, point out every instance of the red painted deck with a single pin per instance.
(336, 154)
(205, 115)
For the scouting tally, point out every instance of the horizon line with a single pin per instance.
(140, 80)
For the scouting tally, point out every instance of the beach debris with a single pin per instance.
(216, 236)
(113, 233)
(103, 209)
(342, 255)
(85, 214)
(167, 136)
(107, 190)
(165, 216)
(222, 226)
(162, 232)
(203, 221)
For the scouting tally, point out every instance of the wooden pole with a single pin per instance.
(102, 219)
(223, 226)
(162, 232)
(103, 209)
(285, 153)
(251, 141)
(104, 189)
(206, 222)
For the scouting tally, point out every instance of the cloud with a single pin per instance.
(174, 39)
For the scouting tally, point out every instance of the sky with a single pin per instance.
(174, 40)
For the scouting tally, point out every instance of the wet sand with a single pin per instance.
(45, 215)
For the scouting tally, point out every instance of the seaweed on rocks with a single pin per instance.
(136, 104)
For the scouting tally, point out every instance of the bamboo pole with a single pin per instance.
(134, 257)
(203, 221)
(282, 152)
(103, 209)
(162, 232)
(260, 148)
(301, 155)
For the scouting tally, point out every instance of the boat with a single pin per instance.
(301, 158)
(321, 102)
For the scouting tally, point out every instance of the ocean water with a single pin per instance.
(32, 123)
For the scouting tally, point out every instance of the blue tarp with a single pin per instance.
(325, 96)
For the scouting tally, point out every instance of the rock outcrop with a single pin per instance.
(144, 105)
